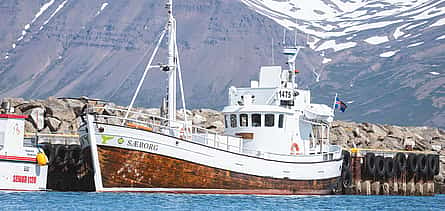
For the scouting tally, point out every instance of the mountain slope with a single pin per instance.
(385, 57)
(87, 48)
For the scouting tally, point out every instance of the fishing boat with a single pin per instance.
(275, 141)
(22, 164)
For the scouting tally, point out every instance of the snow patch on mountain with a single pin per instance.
(389, 54)
(104, 5)
(312, 42)
(42, 10)
(441, 37)
(54, 13)
(367, 26)
(398, 32)
(377, 40)
(415, 44)
(337, 47)
(331, 19)
(412, 26)
(440, 22)
(326, 60)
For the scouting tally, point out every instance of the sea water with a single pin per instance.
(141, 201)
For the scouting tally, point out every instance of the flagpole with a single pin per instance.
(333, 105)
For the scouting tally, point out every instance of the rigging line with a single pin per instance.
(144, 75)
(126, 77)
(181, 84)
(124, 80)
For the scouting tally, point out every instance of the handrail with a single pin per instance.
(192, 133)
(198, 134)
(254, 152)
(148, 115)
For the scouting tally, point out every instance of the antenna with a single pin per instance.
(296, 32)
(273, 57)
(284, 37)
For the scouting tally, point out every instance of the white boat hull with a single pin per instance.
(116, 172)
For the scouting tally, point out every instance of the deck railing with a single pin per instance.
(176, 128)
(186, 131)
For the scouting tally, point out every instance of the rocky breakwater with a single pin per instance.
(63, 116)
(47, 116)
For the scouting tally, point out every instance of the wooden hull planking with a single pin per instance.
(138, 171)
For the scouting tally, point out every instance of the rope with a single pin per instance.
(144, 75)
(181, 85)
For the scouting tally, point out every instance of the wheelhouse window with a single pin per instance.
(243, 120)
(269, 120)
(256, 120)
(226, 120)
(281, 120)
(233, 120)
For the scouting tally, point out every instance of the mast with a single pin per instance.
(292, 52)
(171, 28)
(170, 68)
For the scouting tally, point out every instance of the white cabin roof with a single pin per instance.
(256, 108)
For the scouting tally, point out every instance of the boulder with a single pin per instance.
(78, 110)
(356, 133)
(396, 132)
(180, 114)
(108, 110)
(53, 123)
(27, 106)
(36, 117)
(14, 102)
(58, 108)
(216, 125)
(29, 127)
(198, 119)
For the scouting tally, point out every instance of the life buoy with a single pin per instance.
(294, 149)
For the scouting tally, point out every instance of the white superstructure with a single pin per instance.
(273, 115)
(19, 170)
